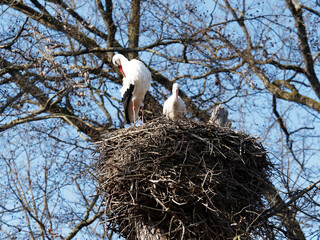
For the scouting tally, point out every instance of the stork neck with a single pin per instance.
(175, 95)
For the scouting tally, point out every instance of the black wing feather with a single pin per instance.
(126, 100)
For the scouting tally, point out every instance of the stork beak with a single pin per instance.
(121, 70)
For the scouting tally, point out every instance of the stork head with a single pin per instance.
(175, 88)
(118, 60)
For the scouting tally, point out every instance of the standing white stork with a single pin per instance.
(174, 108)
(136, 83)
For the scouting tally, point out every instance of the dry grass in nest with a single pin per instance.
(187, 180)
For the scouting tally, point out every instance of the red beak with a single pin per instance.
(121, 70)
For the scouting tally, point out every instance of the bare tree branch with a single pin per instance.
(85, 221)
(8, 45)
(296, 11)
(287, 216)
(284, 129)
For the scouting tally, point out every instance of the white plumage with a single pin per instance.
(136, 83)
(174, 108)
(219, 117)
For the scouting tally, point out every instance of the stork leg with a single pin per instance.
(142, 105)
(142, 114)
(134, 112)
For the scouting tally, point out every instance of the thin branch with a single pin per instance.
(286, 216)
(279, 65)
(117, 49)
(310, 10)
(297, 195)
(80, 19)
(10, 101)
(8, 45)
(284, 129)
(297, 14)
(51, 22)
(85, 221)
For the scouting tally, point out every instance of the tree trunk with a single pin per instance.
(134, 27)
(285, 214)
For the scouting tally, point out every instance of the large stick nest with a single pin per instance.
(184, 179)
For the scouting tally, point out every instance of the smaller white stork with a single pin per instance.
(135, 85)
(219, 117)
(174, 107)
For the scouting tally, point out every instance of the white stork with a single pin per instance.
(174, 108)
(136, 83)
(219, 117)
